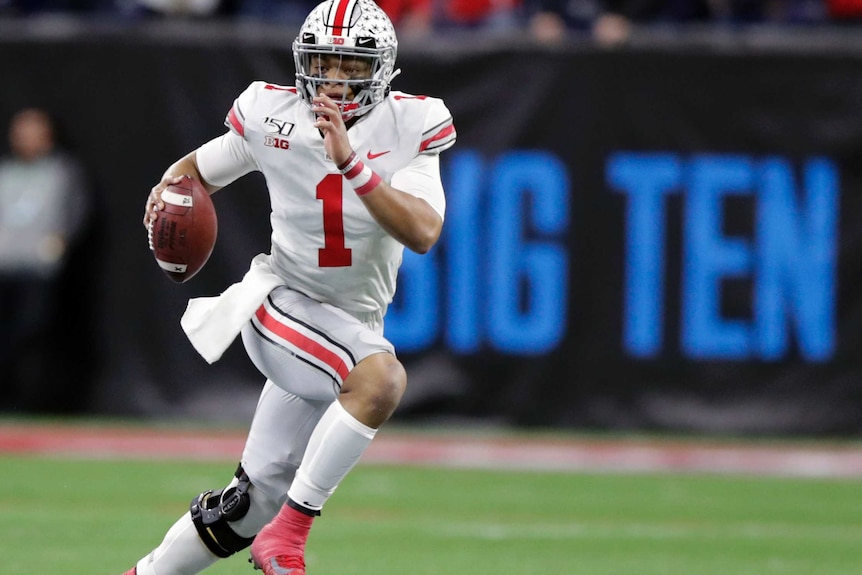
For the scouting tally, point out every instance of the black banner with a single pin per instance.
(656, 238)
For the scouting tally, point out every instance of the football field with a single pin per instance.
(78, 511)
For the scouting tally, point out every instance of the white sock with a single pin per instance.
(336, 445)
(181, 552)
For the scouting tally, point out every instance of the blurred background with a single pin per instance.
(651, 221)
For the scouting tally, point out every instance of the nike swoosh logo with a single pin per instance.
(372, 155)
(278, 569)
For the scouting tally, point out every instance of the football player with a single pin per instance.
(353, 173)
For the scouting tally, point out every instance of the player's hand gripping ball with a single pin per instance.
(184, 234)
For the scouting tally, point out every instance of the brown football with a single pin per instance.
(184, 234)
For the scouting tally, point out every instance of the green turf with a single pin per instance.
(71, 517)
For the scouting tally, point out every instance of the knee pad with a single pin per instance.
(212, 510)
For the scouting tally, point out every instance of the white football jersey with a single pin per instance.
(325, 243)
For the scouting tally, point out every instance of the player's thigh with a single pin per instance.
(308, 348)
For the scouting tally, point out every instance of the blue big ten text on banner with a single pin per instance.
(501, 280)
(789, 259)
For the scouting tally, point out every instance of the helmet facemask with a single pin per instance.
(362, 72)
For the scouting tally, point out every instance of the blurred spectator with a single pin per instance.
(29, 7)
(486, 14)
(844, 10)
(420, 17)
(411, 18)
(270, 11)
(550, 21)
(179, 8)
(44, 209)
(611, 21)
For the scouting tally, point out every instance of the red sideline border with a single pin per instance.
(460, 450)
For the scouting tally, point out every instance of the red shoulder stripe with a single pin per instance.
(444, 133)
(234, 120)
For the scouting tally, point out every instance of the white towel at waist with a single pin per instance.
(212, 323)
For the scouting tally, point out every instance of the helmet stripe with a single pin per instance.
(339, 19)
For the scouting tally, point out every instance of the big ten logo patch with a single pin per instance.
(273, 142)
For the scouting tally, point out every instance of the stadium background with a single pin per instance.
(660, 237)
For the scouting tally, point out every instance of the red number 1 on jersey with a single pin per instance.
(333, 254)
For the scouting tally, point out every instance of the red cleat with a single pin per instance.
(132, 571)
(279, 548)
(282, 565)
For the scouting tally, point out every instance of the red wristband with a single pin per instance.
(372, 183)
(361, 177)
(351, 160)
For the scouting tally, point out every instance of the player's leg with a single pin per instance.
(368, 398)
(369, 395)
(184, 551)
(372, 392)
(222, 523)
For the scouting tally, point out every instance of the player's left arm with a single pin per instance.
(408, 217)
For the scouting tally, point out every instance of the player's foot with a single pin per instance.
(132, 571)
(279, 548)
(281, 565)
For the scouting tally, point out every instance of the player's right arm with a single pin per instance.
(215, 164)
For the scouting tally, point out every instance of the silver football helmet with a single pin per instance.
(348, 30)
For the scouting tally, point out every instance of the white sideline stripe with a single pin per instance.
(583, 455)
(645, 531)
(176, 199)
(620, 456)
